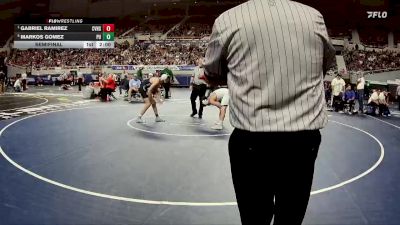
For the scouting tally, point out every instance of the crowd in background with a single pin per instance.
(186, 30)
(172, 53)
(122, 54)
(371, 60)
(191, 30)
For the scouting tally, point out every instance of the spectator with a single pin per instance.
(371, 60)
(124, 84)
(338, 85)
(360, 92)
(349, 97)
(23, 80)
(134, 85)
(122, 54)
(398, 94)
(383, 104)
(111, 85)
(89, 92)
(18, 85)
(373, 102)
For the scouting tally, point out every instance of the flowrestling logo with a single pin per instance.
(377, 14)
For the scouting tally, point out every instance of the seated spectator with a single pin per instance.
(63, 79)
(373, 102)
(39, 81)
(103, 91)
(110, 85)
(349, 97)
(134, 85)
(383, 104)
(18, 85)
(89, 92)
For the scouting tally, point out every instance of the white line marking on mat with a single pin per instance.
(385, 122)
(45, 101)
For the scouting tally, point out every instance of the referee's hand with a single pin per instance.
(203, 77)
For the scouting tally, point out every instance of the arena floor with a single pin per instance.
(71, 161)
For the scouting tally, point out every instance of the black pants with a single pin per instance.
(166, 88)
(198, 91)
(80, 82)
(351, 105)
(103, 94)
(24, 84)
(360, 100)
(383, 110)
(373, 106)
(398, 99)
(267, 166)
(2, 86)
(337, 103)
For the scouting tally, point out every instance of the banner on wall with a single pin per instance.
(152, 67)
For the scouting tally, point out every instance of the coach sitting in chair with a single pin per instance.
(108, 86)
(348, 98)
(134, 85)
(373, 102)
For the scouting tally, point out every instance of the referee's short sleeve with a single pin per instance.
(329, 50)
(215, 62)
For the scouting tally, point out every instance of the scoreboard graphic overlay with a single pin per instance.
(64, 33)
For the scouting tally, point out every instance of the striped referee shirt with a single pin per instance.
(273, 55)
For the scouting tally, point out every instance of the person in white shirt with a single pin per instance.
(383, 104)
(134, 85)
(89, 92)
(360, 92)
(49, 78)
(373, 101)
(338, 85)
(18, 85)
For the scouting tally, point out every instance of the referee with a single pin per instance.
(273, 55)
(198, 87)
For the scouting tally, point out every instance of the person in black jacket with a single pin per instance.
(124, 84)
